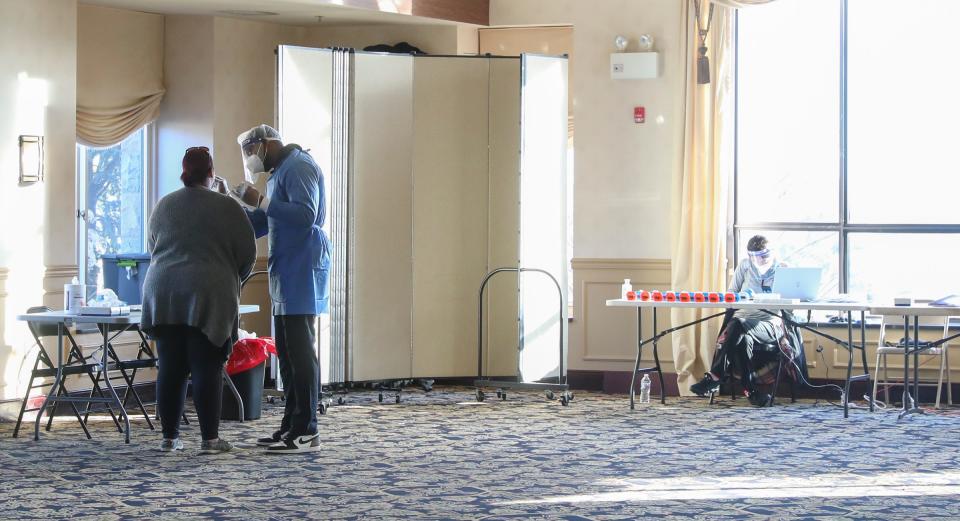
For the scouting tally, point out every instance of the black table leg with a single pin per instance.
(916, 361)
(636, 365)
(57, 382)
(656, 360)
(846, 387)
(863, 353)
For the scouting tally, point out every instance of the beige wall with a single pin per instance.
(186, 113)
(622, 170)
(39, 44)
(244, 80)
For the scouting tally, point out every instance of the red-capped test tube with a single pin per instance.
(698, 296)
(670, 296)
(714, 296)
(684, 296)
(631, 295)
(729, 297)
(656, 296)
(644, 295)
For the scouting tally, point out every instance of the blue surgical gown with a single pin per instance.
(299, 258)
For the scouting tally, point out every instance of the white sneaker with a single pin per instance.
(170, 445)
(296, 444)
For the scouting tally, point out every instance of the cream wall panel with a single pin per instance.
(381, 269)
(605, 339)
(502, 294)
(623, 170)
(450, 182)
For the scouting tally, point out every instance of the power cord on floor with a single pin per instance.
(824, 386)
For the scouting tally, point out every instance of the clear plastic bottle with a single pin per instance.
(625, 288)
(645, 389)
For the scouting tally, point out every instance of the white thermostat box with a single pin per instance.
(634, 65)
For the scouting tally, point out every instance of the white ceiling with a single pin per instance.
(294, 12)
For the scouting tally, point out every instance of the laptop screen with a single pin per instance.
(799, 283)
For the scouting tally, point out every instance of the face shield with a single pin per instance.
(762, 260)
(253, 153)
(253, 148)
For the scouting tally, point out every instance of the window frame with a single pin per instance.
(149, 195)
(843, 228)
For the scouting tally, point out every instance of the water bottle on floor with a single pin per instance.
(645, 389)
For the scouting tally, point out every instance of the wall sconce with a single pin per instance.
(31, 159)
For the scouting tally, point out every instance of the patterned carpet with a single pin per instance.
(443, 456)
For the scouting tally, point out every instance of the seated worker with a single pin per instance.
(748, 333)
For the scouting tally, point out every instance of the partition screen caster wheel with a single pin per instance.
(501, 394)
(398, 398)
(323, 408)
(564, 400)
(549, 395)
(340, 400)
(480, 395)
(380, 397)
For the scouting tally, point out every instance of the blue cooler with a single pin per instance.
(124, 273)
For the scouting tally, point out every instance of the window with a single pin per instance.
(112, 201)
(844, 134)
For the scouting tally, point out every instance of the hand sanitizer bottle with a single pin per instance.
(625, 288)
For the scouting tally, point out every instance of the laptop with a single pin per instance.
(799, 283)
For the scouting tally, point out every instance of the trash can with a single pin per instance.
(249, 384)
(246, 369)
(124, 273)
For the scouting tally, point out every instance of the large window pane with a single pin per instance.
(788, 112)
(802, 249)
(114, 201)
(918, 265)
(903, 108)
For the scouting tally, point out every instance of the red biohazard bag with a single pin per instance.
(250, 353)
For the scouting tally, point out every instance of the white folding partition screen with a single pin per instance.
(306, 117)
(450, 231)
(543, 217)
(442, 169)
(380, 271)
(502, 325)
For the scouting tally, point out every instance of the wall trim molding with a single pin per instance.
(66, 270)
(54, 277)
(4, 274)
(620, 264)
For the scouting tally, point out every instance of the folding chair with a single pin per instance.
(44, 367)
(128, 367)
(768, 355)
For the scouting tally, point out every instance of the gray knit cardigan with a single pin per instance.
(201, 247)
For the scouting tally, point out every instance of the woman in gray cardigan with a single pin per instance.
(201, 247)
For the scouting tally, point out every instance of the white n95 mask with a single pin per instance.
(253, 168)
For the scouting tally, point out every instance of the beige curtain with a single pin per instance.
(119, 73)
(701, 195)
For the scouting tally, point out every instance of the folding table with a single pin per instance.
(105, 324)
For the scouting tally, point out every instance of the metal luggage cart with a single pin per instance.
(551, 390)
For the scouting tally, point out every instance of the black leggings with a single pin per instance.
(182, 351)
